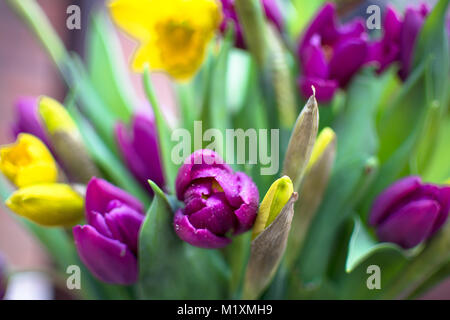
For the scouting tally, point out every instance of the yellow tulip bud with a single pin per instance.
(56, 117)
(28, 162)
(326, 136)
(48, 204)
(274, 201)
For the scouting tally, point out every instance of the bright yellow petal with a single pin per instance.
(48, 204)
(28, 161)
(274, 201)
(55, 116)
(176, 36)
(326, 136)
(134, 16)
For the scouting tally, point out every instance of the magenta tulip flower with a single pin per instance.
(108, 244)
(140, 149)
(330, 53)
(412, 23)
(28, 120)
(218, 201)
(271, 10)
(387, 50)
(410, 212)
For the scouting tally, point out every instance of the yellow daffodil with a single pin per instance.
(28, 162)
(275, 199)
(48, 204)
(173, 34)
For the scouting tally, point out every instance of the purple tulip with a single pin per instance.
(28, 119)
(410, 212)
(330, 54)
(271, 10)
(108, 245)
(2, 277)
(218, 201)
(412, 23)
(387, 50)
(140, 149)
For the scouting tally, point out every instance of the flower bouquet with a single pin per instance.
(307, 158)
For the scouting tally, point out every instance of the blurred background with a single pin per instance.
(26, 70)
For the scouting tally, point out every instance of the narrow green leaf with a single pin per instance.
(107, 69)
(164, 132)
(172, 269)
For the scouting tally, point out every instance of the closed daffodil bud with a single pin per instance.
(66, 141)
(51, 204)
(27, 162)
(312, 190)
(275, 199)
(270, 235)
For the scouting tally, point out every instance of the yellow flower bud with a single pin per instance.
(48, 204)
(326, 136)
(274, 201)
(28, 162)
(55, 116)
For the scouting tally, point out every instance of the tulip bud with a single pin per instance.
(66, 141)
(48, 204)
(218, 201)
(28, 120)
(140, 149)
(274, 201)
(108, 245)
(301, 142)
(410, 212)
(28, 162)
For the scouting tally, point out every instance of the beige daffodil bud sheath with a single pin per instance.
(27, 162)
(315, 181)
(48, 204)
(301, 142)
(66, 140)
(270, 234)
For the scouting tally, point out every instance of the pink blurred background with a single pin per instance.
(25, 69)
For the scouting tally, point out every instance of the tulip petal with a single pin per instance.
(203, 163)
(390, 196)
(109, 260)
(313, 60)
(217, 216)
(411, 224)
(145, 142)
(246, 214)
(125, 223)
(349, 55)
(325, 89)
(100, 193)
(444, 201)
(202, 238)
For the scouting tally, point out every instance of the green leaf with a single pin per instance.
(362, 246)
(164, 132)
(172, 269)
(438, 170)
(348, 183)
(106, 160)
(432, 41)
(107, 69)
